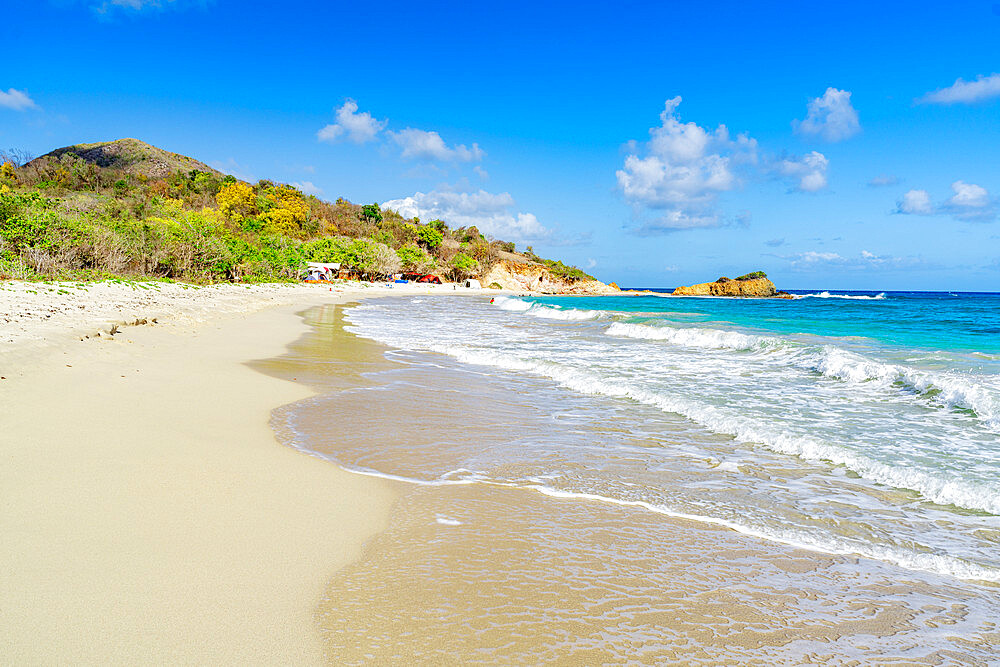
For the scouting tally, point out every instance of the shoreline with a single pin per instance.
(531, 575)
(156, 504)
(148, 511)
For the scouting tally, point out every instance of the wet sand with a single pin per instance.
(487, 573)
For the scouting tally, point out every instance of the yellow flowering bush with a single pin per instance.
(236, 201)
(8, 173)
(288, 214)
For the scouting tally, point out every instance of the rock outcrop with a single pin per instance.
(531, 277)
(754, 287)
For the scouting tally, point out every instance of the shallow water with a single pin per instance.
(577, 495)
(845, 444)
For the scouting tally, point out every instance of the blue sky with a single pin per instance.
(835, 147)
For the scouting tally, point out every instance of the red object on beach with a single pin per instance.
(429, 279)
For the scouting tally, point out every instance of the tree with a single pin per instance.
(286, 212)
(237, 201)
(8, 174)
(430, 236)
(414, 258)
(16, 156)
(439, 225)
(462, 265)
(385, 261)
(371, 213)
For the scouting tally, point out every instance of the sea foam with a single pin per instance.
(544, 311)
(856, 297)
(947, 389)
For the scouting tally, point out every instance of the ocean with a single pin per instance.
(860, 430)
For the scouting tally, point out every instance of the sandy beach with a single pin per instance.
(148, 513)
(164, 498)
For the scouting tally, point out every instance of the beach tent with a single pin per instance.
(473, 283)
(322, 270)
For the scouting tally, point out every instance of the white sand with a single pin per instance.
(147, 513)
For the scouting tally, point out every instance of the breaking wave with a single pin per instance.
(546, 312)
(828, 295)
(942, 488)
(950, 390)
(694, 337)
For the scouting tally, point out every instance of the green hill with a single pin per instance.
(125, 208)
(129, 156)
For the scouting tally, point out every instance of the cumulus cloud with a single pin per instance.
(18, 100)
(428, 145)
(308, 188)
(355, 127)
(681, 171)
(806, 173)
(831, 116)
(915, 202)
(969, 202)
(882, 181)
(493, 214)
(965, 92)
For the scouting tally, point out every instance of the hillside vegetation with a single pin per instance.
(125, 208)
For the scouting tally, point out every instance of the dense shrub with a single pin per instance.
(64, 217)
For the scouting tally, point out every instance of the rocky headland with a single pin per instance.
(754, 285)
(534, 277)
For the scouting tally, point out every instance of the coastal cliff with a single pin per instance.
(750, 287)
(532, 277)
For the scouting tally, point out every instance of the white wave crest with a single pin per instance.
(544, 311)
(514, 305)
(951, 390)
(693, 337)
(828, 295)
(941, 488)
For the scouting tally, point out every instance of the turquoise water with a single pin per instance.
(859, 423)
(952, 321)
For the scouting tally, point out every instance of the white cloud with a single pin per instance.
(308, 188)
(482, 173)
(969, 202)
(883, 180)
(812, 260)
(807, 172)
(428, 145)
(356, 127)
(18, 100)
(493, 214)
(831, 116)
(969, 195)
(684, 170)
(965, 92)
(915, 202)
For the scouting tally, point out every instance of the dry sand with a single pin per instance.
(147, 513)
